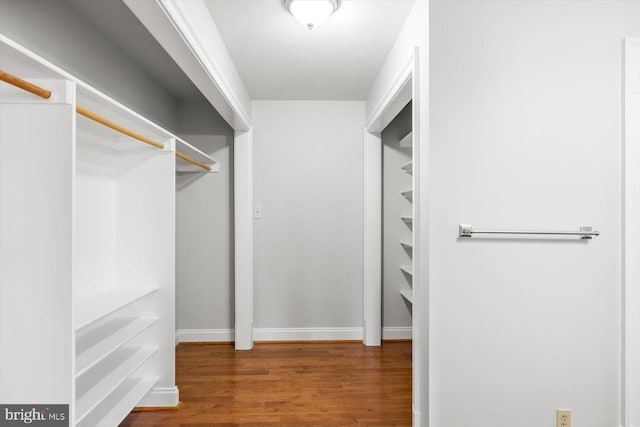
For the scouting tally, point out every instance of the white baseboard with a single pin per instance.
(204, 335)
(396, 333)
(161, 396)
(307, 334)
(290, 334)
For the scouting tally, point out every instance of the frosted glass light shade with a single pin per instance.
(311, 13)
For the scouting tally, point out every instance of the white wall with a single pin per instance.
(58, 33)
(204, 231)
(308, 176)
(526, 133)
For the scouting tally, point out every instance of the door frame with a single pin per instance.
(407, 86)
(630, 405)
(399, 93)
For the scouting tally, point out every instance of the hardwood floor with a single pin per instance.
(289, 384)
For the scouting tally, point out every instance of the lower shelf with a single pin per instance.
(94, 346)
(119, 403)
(99, 382)
(94, 307)
(408, 295)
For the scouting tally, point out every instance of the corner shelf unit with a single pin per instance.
(96, 302)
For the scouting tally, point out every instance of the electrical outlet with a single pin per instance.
(563, 418)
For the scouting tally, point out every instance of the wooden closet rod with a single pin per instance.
(46, 94)
(96, 118)
(192, 161)
(24, 85)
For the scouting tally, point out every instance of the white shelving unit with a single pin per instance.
(95, 218)
(407, 270)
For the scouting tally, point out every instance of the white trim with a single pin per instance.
(397, 333)
(281, 334)
(630, 373)
(189, 34)
(161, 397)
(204, 335)
(170, 25)
(374, 121)
(243, 223)
(306, 334)
(392, 102)
(372, 268)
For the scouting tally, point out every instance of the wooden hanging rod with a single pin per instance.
(192, 161)
(46, 94)
(108, 123)
(24, 85)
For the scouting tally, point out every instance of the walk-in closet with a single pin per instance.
(319, 212)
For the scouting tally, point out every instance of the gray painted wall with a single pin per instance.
(58, 33)
(396, 311)
(308, 176)
(204, 226)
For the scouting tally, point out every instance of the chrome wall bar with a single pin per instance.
(465, 230)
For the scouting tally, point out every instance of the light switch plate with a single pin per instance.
(257, 211)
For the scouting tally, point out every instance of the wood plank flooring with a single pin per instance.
(289, 384)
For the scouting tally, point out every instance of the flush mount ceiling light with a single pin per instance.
(311, 13)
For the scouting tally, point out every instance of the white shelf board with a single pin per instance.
(407, 245)
(407, 269)
(119, 403)
(98, 383)
(407, 140)
(408, 167)
(407, 219)
(183, 166)
(408, 194)
(95, 307)
(95, 345)
(408, 295)
(91, 132)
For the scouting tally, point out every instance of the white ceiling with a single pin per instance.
(279, 59)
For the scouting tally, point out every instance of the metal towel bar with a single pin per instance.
(465, 230)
